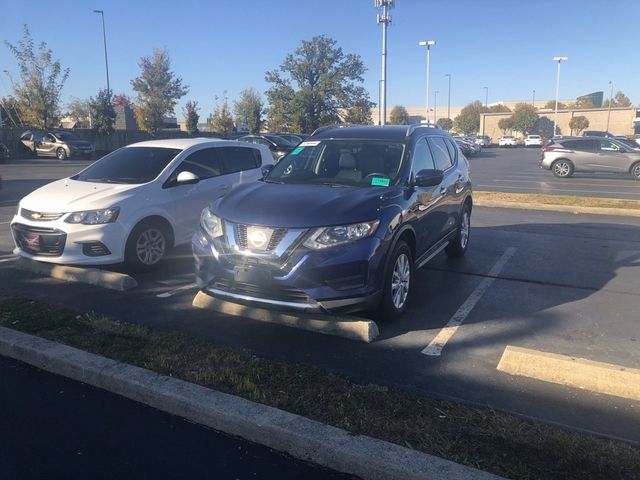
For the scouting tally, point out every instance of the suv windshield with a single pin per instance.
(358, 163)
(131, 165)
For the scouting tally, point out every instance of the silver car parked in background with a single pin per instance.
(589, 154)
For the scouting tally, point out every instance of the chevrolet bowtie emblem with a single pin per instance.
(36, 216)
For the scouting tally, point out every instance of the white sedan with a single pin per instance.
(507, 141)
(133, 204)
(533, 141)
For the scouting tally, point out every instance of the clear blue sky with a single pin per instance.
(221, 46)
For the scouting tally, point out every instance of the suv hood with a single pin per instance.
(300, 206)
(68, 195)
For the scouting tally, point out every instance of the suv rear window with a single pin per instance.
(440, 153)
(581, 145)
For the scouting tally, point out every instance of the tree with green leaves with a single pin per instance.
(468, 122)
(619, 100)
(121, 100)
(524, 117)
(313, 85)
(80, 111)
(191, 117)
(249, 109)
(102, 112)
(581, 103)
(221, 120)
(359, 113)
(543, 127)
(158, 89)
(399, 116)
(578, 123)
(551, 104)
(499, 108)
(505, 124)
(445, 123)
(37, 93)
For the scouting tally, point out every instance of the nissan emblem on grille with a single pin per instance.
(258, 238)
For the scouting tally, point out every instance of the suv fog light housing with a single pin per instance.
(325, 237)
(211, 223)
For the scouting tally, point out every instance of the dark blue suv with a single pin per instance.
(340, 224)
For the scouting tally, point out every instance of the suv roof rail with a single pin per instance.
(335, 125)
(415, 126)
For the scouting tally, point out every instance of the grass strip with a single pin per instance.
(479, 437)
(565, 200)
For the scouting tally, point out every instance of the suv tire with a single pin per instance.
(635, 171)
(397, 282)
(61, 153)
(147, 245)
(458, 245)
(562, 168)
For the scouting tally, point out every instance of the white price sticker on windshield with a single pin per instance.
(309, 144)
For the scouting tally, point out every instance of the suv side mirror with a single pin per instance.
(187, 178)
(266, 169)
(428, 178)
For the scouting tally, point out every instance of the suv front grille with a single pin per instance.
(277, 236)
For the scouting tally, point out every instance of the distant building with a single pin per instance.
(595, 97)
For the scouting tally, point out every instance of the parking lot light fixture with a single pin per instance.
(385, 19)
(555, 115)
(104, 38)
(428, 44)
(448, 96)
(610, 102)
(486, 97)
(435, 106)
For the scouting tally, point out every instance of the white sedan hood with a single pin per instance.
(66, 195)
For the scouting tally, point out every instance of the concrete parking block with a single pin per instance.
(301, 437)
(354, 328)
(627, 212)
(89, 275)
(571, 371)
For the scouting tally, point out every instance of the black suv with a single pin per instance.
(340, 224)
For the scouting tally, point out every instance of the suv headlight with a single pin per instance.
(325, 237)
(211, 223)
(94, 217)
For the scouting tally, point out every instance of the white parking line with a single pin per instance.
(170, 293)
(434, 349)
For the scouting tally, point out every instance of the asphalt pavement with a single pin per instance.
(516, 170)
(52, 427)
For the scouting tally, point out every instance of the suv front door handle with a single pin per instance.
(443, 190)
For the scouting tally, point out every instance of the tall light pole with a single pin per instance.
(610, 102)
(448, 96)
(428, 44)
(435, 106)
(385, 20)
(533, 100)
(104, 38)
(555, 115)
(486, 97)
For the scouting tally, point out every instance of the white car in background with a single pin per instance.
(533, 140)
(507, 141)
(133, 204)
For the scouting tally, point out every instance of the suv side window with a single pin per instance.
(237, 159)
(204, 163)
(440, 153)
(422, 157)
(581, 145)
(453, 149)
(608, 146)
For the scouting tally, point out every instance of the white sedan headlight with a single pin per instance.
(211, 223)
(94, 217)
(325, 237)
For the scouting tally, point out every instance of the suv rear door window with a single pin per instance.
(237, 159)
(440, 153)
(581, 145)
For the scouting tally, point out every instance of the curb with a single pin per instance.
(572, 371)
(354, 328)
(627, 212)
(300, 437)
(91, 276)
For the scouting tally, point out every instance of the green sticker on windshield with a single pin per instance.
(297, 150)
(380, 182)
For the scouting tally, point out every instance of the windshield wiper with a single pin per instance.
(102, 180)
(333, 184)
